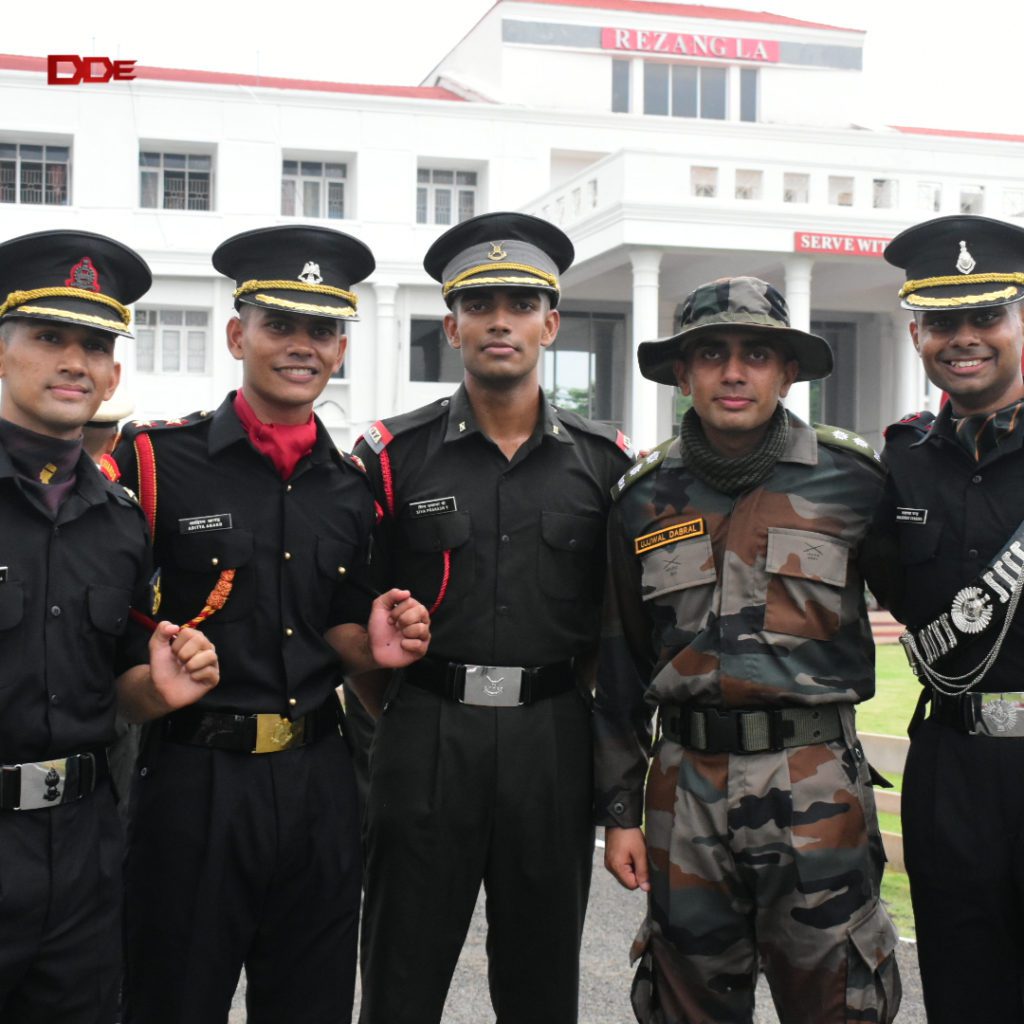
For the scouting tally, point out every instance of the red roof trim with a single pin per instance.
(690, 11)
(13, 62)
(953, 134)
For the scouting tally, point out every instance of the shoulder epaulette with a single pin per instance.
(641, 468)
(380, 434)
(134, 427)
(124, 495)
(603, 430)
(917, 423)
(839, 437)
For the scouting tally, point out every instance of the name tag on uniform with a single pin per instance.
(204, 524)
(3, 573)
(912, 515)
(658, 539)
(432, 507)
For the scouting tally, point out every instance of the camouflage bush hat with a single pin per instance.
(727, 304)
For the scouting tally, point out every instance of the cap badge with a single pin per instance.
(311, 273)
(497, 252)
(965, 262)
(84, 275)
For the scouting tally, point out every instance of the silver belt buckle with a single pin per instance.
(998, 714)
(494, 686)
(42, 784)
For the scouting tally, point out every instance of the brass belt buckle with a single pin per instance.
(275, 733)
(42, 784)
(493, 686)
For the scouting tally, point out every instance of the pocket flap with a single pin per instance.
(12, 603)
(918, 542)
(567, 532)
(806, 555)
(108, 608)
(213, 552)
(437, 533)
(686, 563)
(874, 936)
(334, 557)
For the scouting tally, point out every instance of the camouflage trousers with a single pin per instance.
(772, 857)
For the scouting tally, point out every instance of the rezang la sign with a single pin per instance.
(681, 44)
(839, 245)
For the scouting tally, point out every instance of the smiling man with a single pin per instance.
(75, 556)
(736, 609)
(495, 504)
(245, 845)
(947, 547)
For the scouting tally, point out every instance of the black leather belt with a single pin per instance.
(750, 730)
(496, 686)
(35, 785)
(250, 733)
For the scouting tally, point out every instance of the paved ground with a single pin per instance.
(612, 920)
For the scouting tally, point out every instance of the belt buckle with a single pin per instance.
(274, 733)
(495, 686)
(997, 714)
(42, 784)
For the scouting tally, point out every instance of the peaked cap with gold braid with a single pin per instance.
(296, 269)
(959, 262)
(500, 250)
(73, 277)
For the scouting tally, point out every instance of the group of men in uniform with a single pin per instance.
(484, 525)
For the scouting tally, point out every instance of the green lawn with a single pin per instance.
(896, 896)
(896, 693)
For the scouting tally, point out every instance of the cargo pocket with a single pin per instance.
(806, 575)
(873, 988)
(202, 557)
(425, 539)
(566, 566)
(681, 577)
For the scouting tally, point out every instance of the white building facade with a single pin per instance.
(674, 144)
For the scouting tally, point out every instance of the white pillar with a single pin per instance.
(798, 297)
(387, 348)
(643, 419)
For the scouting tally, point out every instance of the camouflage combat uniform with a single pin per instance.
(747, 602)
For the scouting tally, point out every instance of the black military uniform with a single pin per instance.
(69, 569)
(950, 510)
(236, 857)
(481, 767)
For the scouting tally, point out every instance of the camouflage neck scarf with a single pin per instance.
(731, 476)
(979, 434)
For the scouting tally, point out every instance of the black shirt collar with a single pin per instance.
(226, 429)
(463, 423)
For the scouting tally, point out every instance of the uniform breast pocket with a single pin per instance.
(334, 558)
(806, 577)
(681, 577)
(201, 558)
(421, 567)
(918, 542)
(12, 604)
(108, 608)
(570, 555)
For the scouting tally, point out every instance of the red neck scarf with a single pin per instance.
(282, 443)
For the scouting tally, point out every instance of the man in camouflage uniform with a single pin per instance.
(736, 610)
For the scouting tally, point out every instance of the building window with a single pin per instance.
(584, 371)
(445, 196)
(1013, 202)
(840, 191)
(313, 188)
(972, 198)
(175, 181)
(748, 94)
(796, 188)
(620, 86)
(929, 196)
(431, 358)
(704, 182)
(748, 184)
(684, 90)
(34, 174)
(885, 194)
(171, 340)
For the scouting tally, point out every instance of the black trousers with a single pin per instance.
(963, 833)
(239, 859)
(60, 913)
(463, 795)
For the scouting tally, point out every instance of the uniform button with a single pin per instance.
(503, 609)
(288, 488)
(973, 553)
(341, 570)
(976, 479)
(143, 772)
(618, 807)
(289, 631)
(214, 561)
(287, 556)
(292, 702)
(572, 543)
(505, 538)
(54, 699)
(55, 611)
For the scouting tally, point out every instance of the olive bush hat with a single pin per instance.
(726, 304)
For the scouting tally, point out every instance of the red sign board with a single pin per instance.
(682, 44)
(70, 69)
(839, 245)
